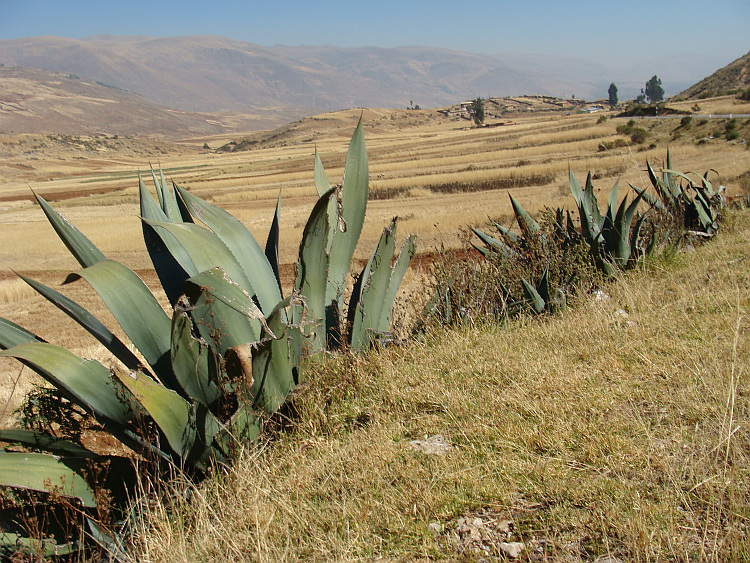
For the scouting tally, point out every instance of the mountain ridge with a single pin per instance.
(219, 74)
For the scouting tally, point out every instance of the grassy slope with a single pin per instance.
(593, 433)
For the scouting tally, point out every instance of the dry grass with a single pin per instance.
(594, 433)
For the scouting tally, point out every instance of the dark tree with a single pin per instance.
(612, 95)
(476, 109)
(654, 91)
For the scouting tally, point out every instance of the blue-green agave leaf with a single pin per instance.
(46, 473)
(80, 247)
(136, 310)
(243, 246)
(12, 335)
(88, 321)
(85, 382)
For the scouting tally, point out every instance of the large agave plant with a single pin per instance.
(696, 206)
(612, 238)
(220, 362)
(537, 298)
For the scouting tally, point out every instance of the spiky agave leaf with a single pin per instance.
(349, 221)
(242, 245)
(47, 474)
(136, 310)
(79, 245)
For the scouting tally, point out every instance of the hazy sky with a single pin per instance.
(615, 32)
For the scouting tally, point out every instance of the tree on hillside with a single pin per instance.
(612, 95)
(654, 91)
(476, 109)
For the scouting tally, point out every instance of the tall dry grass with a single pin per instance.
(619, 429)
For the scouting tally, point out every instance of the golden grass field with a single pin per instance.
(423, 168)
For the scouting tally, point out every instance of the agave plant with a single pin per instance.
(612, 238)
(695, 205)
(223, 360)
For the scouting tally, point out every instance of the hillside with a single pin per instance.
(39, 101)
(731, 77)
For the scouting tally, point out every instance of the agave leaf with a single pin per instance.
(243, 247)
(398, 271)
(159, 191)
(110, 542)
(274, 368)
(150, 209)
(507, 233)
(136, 310)
(588, 209)
(188, 428)
(617, 232)
(46, 473)
(532, 296)
(272, 244)
(12, 543)
(354, 193)
(195, 364)
(223, 312)
(612, 200)
(79, 246)
(679, 174)
(543, 287)
(591, 202)
(321, 179)
(12, 335)
(165, 258)
(245, 426)
(204, 251)
(575, 187)
(481, 249)
(493, 244)
(86, 382)
(167, 198)
(88, 321)
(369, 293)
(651, 200)
(312, 273)
(528, 225)
(43, 441)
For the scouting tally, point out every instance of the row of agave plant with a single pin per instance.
(682, 209)
(209, 374)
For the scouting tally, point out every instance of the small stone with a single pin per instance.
(621, 313)
(599, 295)
(504, 526)
(436, 528)
(512, 549)
(477, 523)
(433, 445)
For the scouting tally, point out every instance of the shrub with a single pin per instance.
(638, 135)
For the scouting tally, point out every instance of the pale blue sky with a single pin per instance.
(607, 32)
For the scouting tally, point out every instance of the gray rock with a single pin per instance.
(436, 445)
(512, 549)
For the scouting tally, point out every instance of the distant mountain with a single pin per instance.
(40, 101)
(731, 77)
(217, 74)
(278, 84)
